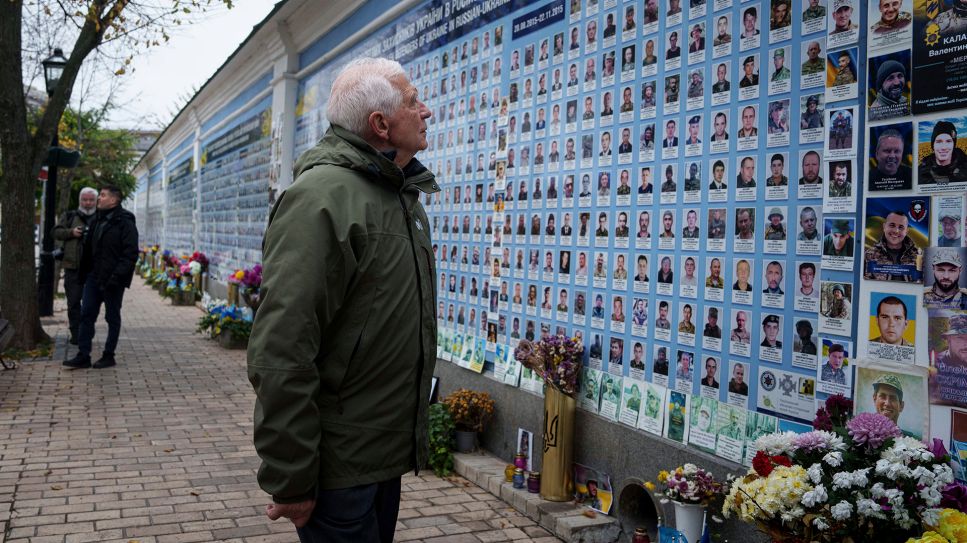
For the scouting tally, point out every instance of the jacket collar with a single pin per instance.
(381, 165)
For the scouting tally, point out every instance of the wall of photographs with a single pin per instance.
(683, 184)
(912, 305)
(141, 205)
(234, 184)
(182, 197)
(657, 177)
(155, 207)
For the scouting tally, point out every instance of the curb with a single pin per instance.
(565, 520)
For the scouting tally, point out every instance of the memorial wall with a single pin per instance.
(740, 206)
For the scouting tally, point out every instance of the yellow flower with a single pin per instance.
(650, 486)
(953, 525)
(662, 476)
(929, 537)
(239, 274)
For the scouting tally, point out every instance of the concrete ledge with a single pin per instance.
(566, 520)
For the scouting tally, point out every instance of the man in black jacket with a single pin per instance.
(110, 253)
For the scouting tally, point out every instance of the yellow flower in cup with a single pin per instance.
(239, 274)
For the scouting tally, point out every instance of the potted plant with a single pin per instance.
(441, 440)
(230, 325)
(471, 411)
(691, 490)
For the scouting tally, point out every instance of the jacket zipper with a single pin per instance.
(419, 287)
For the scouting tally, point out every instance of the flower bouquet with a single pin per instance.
(691, 490)
(229, 324)
(950, 528)
(860, 480)
(557, 359)
(471, 410)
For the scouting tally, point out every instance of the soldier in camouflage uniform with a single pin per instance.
(781, 72)
(775, 230)
(891, 18)
(693, 182)
(956, 354)
(814, 11)
(844, 73)
(813, 63)
(841, 186)
(946, 292)
(895, 247)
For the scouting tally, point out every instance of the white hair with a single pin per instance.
(88, 190)
(361, 88)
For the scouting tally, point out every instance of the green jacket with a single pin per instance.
(73, 247)
(343, 347)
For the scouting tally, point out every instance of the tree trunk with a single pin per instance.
(18, 278)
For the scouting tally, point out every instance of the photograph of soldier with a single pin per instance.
(723, 27)
(779, 72)
(841, 175)
(896, 235)
(889, 85)
(722, 84)
(896, 393)
(838, 238)
(716, 223)
(815, 11)
(890, 320)
(745, 223)
(686, 325)
(805, 341)
(673, 52)
(750, 27)
(748, 128)
(814, 62)
(737, 384)
(835, 300)
(841, 130)
(949, 234)
(891, 157)
(696, 41)
(808, 225)
(948, 354)
(720, 133)
(745, 179)
(750, 72)
(712, 329)
(942, 157)
(944, 281)
(894, 17)
(779, 117)
(660, 365)
(835, 368)
(811, 118)
(841, 21)
(781, 16)
(775, 227)
(777, 168)
(743, 272)
(771, 332)
(649, 58)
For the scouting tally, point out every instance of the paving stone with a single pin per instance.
(159, 449)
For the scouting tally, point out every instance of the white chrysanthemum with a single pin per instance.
(778, 443)
(931, 517)
(815, 473)
(690, 469)
(930, 495)
(842, 479)
(815, 496)
(869, 508)
(842, 510)
(859, 478)
(877, 491)
(820, 524)
(834, 459)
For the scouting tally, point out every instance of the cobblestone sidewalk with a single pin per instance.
(158, 449)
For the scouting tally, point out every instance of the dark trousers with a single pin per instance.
(94, 296)
(352, 515)
(74, 290)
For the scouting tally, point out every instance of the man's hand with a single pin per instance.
(77, 232)
(298, 513)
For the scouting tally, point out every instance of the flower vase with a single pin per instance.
(228, 340)
(557, 483)
(196, 279)
(690, 520)
(233, 294)
(466, 441)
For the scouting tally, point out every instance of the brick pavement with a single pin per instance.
(159, 449)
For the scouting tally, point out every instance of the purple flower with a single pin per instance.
(871, 429)
(810, 442)
(938, 449)
(954, 496)
(823, 420)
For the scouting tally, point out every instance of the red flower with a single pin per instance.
(762, 464)
(781, 460)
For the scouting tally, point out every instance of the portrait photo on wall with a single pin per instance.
(895, 391)
(942, 155)
(944, 278)
(948, 226)
(896, 234)
(841, 128)
(888, 87)
(592, 488)
(893, 327)
(841, 74)
(891, 157)
(891, 23)
(948, 356)
(835, 373)
(836, 307)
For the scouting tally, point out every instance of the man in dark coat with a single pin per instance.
(107, 266)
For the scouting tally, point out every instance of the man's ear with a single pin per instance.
(379, 125)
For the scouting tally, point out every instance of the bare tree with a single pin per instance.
(133, 25)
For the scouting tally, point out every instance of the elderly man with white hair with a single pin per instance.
(70, 231)
(343, 347)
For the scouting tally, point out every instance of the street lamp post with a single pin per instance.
(53, 69)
